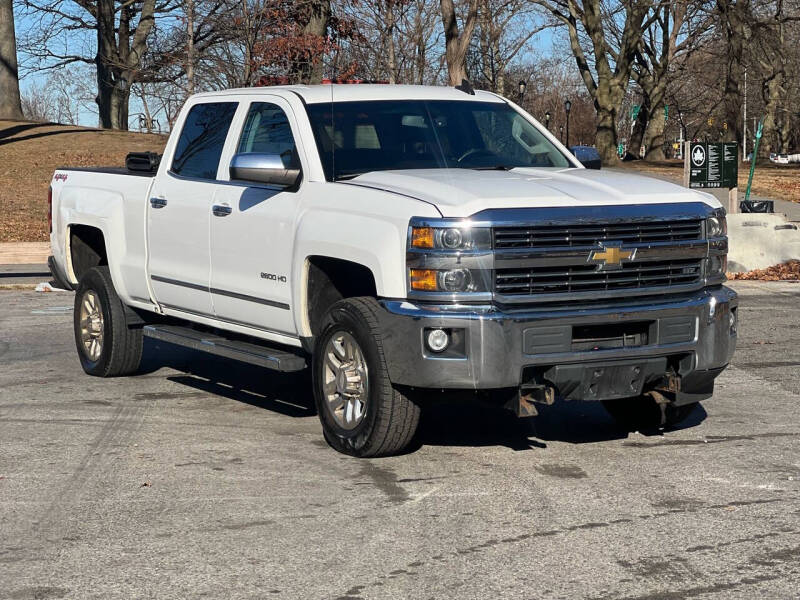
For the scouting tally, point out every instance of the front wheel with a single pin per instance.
(644, 413)
(362, 413)
(107, 347)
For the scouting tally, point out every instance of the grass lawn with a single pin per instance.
(30, 152)
(780, 182)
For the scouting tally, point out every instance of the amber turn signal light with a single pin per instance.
(422, 237)
(423, 280)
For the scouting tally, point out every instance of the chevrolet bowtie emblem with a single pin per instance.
(611, 257)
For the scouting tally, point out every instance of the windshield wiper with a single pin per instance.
(345, 176)
(493, 168)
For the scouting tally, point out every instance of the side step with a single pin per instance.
(253, 353)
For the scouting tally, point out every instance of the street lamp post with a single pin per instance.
(547, 120)
(567, 108)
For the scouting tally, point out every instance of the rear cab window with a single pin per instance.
(199, 147)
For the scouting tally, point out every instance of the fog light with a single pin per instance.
(438, 340)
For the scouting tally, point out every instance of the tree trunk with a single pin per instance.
(639, 127)
(189, 47)
(319, 15)
(606, 137)
(10, 105)
(654, 135)
(457, 44)
(771, 92)
(735, 17)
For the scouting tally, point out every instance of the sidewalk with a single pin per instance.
(23, 263)
(22, 253)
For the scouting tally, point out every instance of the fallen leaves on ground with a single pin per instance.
(783, 272)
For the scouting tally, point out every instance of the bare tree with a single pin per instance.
(457, 41)
(10, 105)
(606, 68)
(121, 31)
(678, 28)
(504, 29)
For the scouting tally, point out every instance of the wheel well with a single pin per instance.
(331, 280)
(87, 249)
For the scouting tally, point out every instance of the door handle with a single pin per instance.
(221, 210)
(158, 202)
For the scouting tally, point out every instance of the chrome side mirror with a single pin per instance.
(263, 168)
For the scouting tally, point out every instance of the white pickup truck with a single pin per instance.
(399, 240)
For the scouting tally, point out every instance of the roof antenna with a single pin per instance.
(466, 87)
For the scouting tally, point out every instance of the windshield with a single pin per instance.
(358, 137)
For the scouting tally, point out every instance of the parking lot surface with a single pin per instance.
(206, 478)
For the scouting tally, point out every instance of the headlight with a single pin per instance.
(451, 280)
(449, 259)
(716, 225)
(451, 238)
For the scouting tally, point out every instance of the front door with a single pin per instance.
(252, 230)
(179, 211)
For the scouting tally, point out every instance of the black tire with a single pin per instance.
(121, 347)
(644, 413)
(390, 417)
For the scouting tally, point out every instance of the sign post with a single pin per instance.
(713, 165)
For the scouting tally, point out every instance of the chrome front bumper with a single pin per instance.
(498, 349)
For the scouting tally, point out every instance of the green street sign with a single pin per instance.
(713, 165)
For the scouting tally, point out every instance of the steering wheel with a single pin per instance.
(476, 152)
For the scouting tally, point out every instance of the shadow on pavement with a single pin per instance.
(285, 393)
(470, 422)
(447, 420)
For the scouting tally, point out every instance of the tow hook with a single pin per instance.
(524, 403)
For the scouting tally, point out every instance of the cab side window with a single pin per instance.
(202, 138)
(267, 131)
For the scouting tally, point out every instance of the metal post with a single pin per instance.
(744, 129)
(753, 160)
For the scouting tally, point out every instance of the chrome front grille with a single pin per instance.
(589, 234)
(587, 278)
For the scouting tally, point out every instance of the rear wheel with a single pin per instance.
(643, 412)
(362, 413)
(107, 347)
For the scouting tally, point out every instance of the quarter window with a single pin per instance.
(267, 131)
(203, 136)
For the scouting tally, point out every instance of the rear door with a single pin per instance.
(252, 230)
(179, 214)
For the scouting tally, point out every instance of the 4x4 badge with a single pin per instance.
(610, 257)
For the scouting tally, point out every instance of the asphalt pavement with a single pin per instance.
(206, 478)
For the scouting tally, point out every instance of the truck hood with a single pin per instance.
(463, 192)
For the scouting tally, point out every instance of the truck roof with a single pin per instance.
(313, 94)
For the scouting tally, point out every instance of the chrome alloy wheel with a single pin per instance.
(345, 380)
(91, 326)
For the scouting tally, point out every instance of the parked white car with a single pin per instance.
(400, 240)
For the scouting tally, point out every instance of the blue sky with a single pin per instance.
(541, 45)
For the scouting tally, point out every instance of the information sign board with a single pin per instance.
(714, 165)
